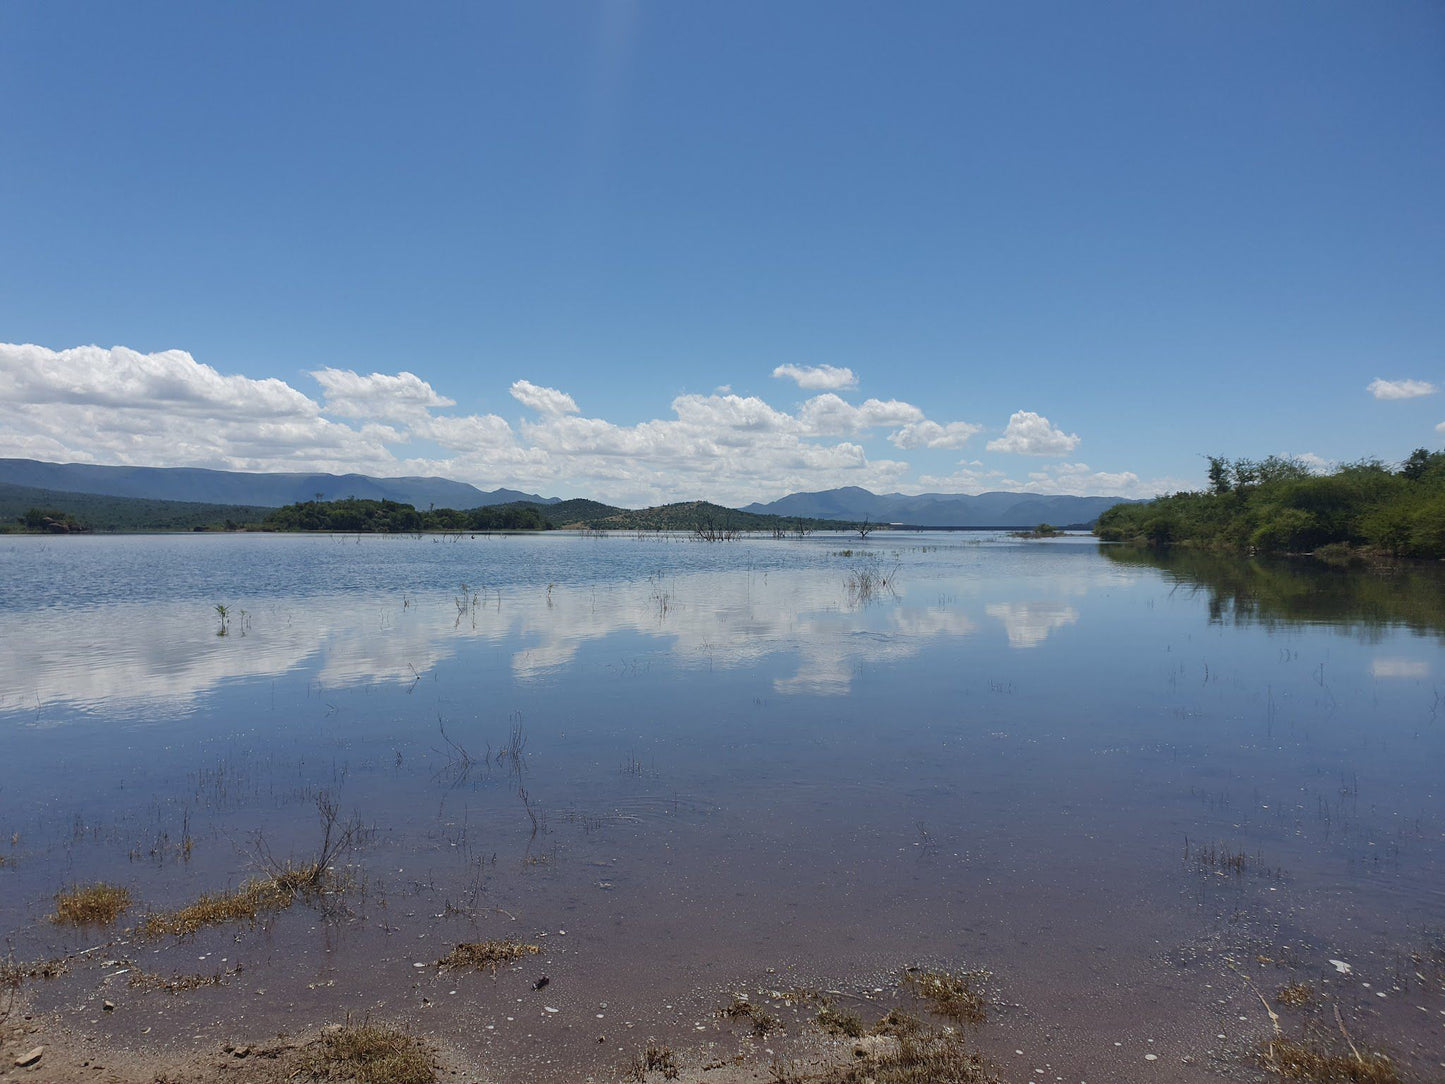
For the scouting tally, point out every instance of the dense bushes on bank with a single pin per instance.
(1278, 505)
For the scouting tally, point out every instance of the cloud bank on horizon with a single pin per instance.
(118, 406)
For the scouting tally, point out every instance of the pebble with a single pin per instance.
(30, 1057)
(1151, 1057)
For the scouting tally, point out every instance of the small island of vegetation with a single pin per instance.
(1043, 530)
(1279, 505)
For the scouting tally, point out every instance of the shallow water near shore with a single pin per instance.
(1134, 790)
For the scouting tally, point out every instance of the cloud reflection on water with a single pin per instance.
(157, 657)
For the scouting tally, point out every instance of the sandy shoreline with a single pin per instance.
(90, 1025)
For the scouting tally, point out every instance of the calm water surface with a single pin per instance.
(737, 772)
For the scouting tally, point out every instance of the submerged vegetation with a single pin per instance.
(1279, 505)
(486, 955)
(245, 904)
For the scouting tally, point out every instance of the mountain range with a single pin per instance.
(237, 487)
(849, 504)
(996, 509)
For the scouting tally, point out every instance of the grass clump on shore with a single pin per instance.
(956, 997)
(839, 1022)
(368, 1054)
(743, 1009)
(1316, 1063)
(96, 904)
(656, 1058)
(926, 1057)
(14, 972)
(897, 1023)
(486, 955)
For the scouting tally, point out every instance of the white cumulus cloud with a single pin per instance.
(1033, 434)
(93, 404)
(543, 400)
(926, 434)
(818, 377)
(830, 415)
(1400, 389)
(119, 406)
(1315, 464)
(379, 395)
(92, 376)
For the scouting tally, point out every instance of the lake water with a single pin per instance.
(1136, 791)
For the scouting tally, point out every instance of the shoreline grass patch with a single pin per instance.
(956, 997)
(1316, 1063)
(837, 1021)
(369, 1054)
(97, 904)
(924, 1057)
(657, 1057)
(742, 1009)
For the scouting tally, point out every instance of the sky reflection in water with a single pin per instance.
(997, 764)
(140, 651)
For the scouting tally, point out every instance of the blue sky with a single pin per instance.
(567, 247)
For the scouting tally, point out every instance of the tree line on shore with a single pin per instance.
(354, 514)
(38, 511)
(1280, 505)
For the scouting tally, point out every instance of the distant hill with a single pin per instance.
(26, 508)
(940, 509)
(240, 488)
(99, 512)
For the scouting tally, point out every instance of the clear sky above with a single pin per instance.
(661, 251)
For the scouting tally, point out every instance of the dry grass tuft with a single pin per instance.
(933, 1057)
(743, 1009)
(897, 1023)
(369, 1054)
(1295, 994)
(656, 1058)
(98, 904)
(245, 904)
(486, 955)
(151, 980)
(1317, 1064)
(836, 1021)
(956, 997)
(13, 972)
